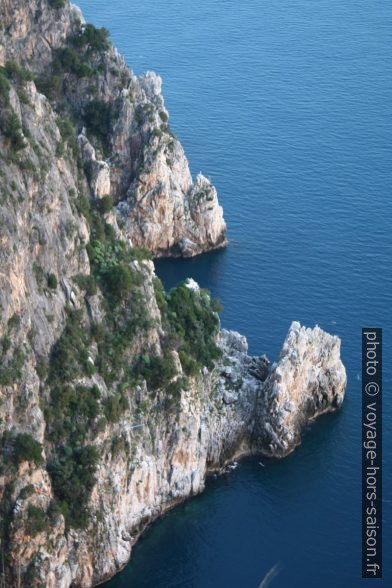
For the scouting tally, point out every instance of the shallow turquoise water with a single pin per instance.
(287, 106)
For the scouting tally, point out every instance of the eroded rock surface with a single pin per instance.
(308, 380)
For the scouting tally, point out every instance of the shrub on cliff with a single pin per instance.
(67, 60)
(52, 282)
(114, 406)
(71, 412)
(93, 38)
(26, 448)
(105, 204)
(157, 371)
(193, 324)
(4, 88)
(57, 3)
(13, 131)
(37, 520)
(98, 116)
(17, 72)
(69, 356)
(72, 472)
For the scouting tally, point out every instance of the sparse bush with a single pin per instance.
(192, 323)
(68, 60)
(87, 283)
(49, 86)
(13, 322)
(4, 88)
(97, 116)
(52, 282)
(157, 371)
(72, 472)
(13, 131)
(93, 38)
(17, 72)
(11, 371)
(37, 521)
(57, 3)
(26, 492)
(105, 204)
(114, 406)
(26, 448)
(69, 356)
(118, 281)
(66, 128)
(189, 365)
(71, 412)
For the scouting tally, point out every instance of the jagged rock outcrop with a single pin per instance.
(140, 164)
(116, 398)
(308, 380)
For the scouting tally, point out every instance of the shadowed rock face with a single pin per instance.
(155, 439)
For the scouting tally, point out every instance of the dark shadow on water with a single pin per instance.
(207, 269)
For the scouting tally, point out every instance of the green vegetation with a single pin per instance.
(39, 275)
(110, 261)
(26, 448)
(52, 282)
(70, 415)
(50, 86)
(157, 371)
(72, 472)
(115, 406)
(37, 520)
(69, 357)
(4, 88)
(13, 131)
(11, 370)
(98, 119)
(57, 3)
(13, 322)
(20, 447)
(191, 319)
(92, 38)
(68, 60)
(18, 73)
(74, 412)
(68, 137)
(105, 204)
(87, 283)
(71, 412)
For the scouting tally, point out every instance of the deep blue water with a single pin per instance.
(286, 105)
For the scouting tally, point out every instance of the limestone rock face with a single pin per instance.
(141, 164)
(159, 205)
(308, 380)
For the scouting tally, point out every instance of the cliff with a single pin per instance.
(116, 397)
(129, 154)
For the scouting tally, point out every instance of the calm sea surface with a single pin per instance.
(286, 105)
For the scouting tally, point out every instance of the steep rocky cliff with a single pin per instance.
(116, 398)
(130, 155)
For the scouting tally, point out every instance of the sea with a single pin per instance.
(287, 106)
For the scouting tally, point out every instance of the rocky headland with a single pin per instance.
(117, 398)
